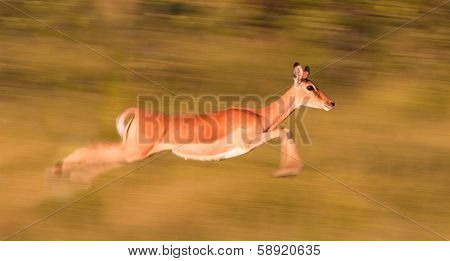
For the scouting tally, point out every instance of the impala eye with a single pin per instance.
(310, 88)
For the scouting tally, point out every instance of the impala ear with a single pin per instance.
(298, 73)
(305, 72)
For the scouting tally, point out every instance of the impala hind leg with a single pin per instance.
(89, 161)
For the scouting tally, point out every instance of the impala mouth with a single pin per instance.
(327, 107)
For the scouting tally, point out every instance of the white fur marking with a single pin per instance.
(237, 151)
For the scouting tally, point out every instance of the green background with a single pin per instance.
(388, 137)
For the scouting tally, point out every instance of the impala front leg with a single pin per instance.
(290, 161)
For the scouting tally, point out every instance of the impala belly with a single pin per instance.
(225, 148)
(186, 153)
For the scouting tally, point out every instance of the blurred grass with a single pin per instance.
(388, 136)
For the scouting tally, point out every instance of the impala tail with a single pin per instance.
(120, 121)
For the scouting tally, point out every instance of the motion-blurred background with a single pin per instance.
(388, 137)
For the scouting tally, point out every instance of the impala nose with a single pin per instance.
(333, 104)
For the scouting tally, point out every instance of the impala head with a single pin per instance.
(307, 94)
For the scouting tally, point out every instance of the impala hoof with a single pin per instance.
(57, 169)
(287, 172)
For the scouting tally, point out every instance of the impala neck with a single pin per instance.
(279, 110)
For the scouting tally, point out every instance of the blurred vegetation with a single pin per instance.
(388, 136)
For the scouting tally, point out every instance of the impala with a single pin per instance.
(216, 136)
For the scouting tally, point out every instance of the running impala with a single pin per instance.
(216, 136)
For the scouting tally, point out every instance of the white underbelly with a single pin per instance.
(225, 148)
(187, 154)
